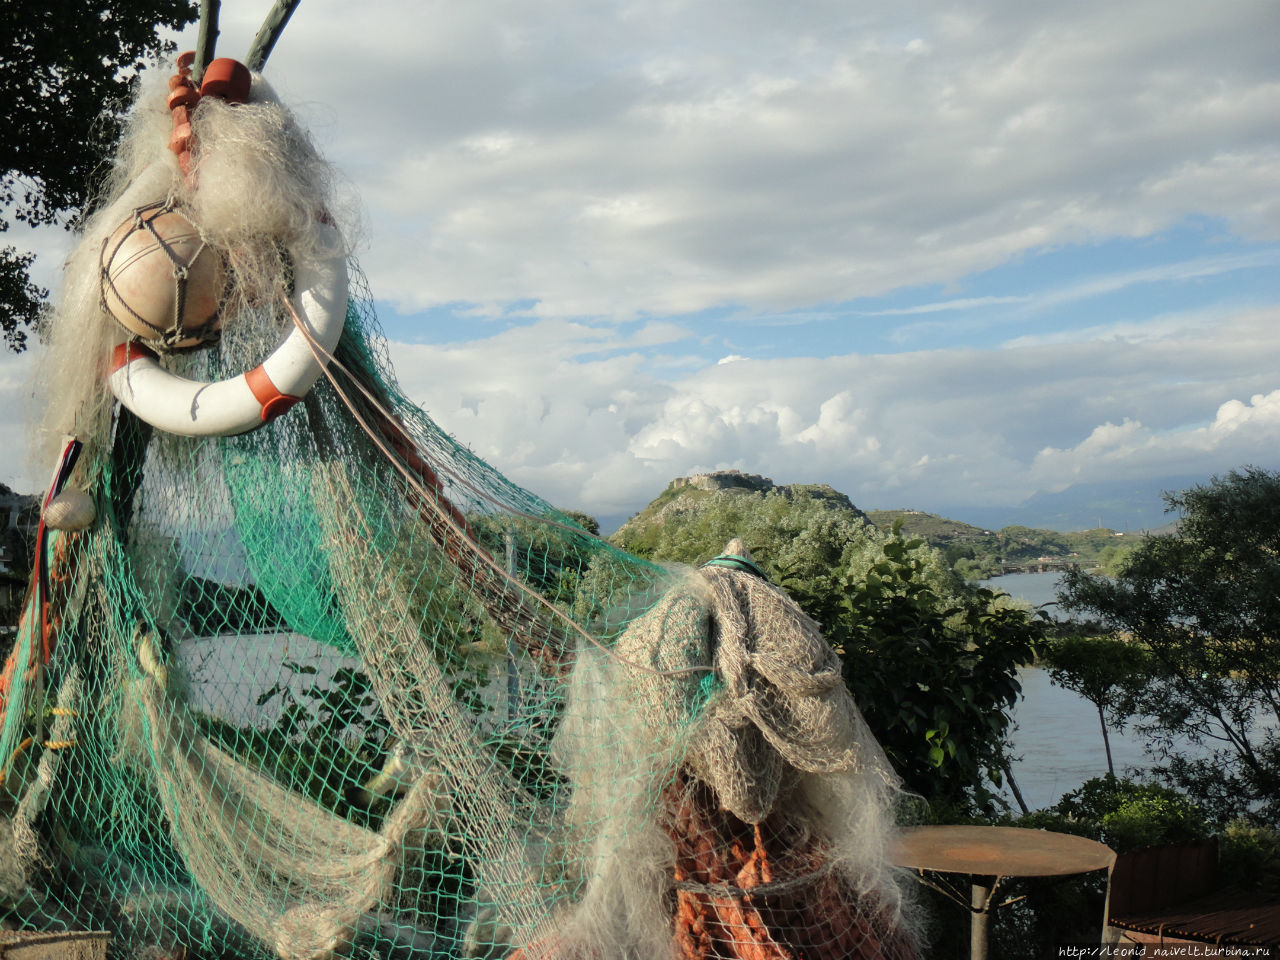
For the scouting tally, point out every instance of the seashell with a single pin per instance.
(72, 509)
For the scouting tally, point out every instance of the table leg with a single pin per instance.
(980, 901)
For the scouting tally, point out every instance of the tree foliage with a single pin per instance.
(67, 68)
(1103, 670)
(1112, 558)
(976, 554)
(585, 520)
(934, 672)
(1205, 602)
(806, 537)
(1127, 815)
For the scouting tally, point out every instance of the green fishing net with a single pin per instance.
(335, 687)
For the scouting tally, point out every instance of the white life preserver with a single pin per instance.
(193, 408)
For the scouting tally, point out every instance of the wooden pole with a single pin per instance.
(207, 39)
(269, 33)
(979, 929)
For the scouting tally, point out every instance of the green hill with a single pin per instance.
(808, 536)
(677, 524)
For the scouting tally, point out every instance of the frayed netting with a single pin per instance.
(259, 188)
(337, 688)
(758, 804)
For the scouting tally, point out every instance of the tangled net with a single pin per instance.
(336, 687)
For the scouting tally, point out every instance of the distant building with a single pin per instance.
(19, 518)
(718, 480)
(724, 480)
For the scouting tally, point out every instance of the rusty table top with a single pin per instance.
(998, 851)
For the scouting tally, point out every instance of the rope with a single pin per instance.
(441, 469)
(167, 338)
(27, 742)
(774, 889)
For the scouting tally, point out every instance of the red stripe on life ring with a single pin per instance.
(267, 394)
(125, 353)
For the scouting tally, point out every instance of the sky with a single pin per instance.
(950, 256)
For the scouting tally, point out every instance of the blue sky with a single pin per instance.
(954, 256)
(1060, 293)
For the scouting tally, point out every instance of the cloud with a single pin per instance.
(1241, 432)
(647, 158)
(1069, 292)
(1175, 272)
(597, 417)
(965, 303)
(553, 404)
(925, 428)
(16, 400)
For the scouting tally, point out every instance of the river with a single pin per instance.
(1057, 739)
(1035, 588)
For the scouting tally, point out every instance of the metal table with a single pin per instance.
(989, 855)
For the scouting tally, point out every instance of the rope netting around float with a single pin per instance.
(336, 687)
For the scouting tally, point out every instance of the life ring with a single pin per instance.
(193, 408)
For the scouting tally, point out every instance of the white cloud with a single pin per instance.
(649, 157)
(964, 303)
(593, 417)
(961, 426)
(16, 401)
(1241, 432)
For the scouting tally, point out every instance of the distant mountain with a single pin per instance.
(930, 526)
(1125, 505)
(1128, 506)
(701, 485)
(734, 480)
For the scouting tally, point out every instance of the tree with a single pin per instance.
(585, 520)
(67, 69)
(1103, 670)
(1205, 601)
(935, 673)
(1112, 558)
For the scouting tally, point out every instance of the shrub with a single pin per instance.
(1250, 855)
(1130, 816)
